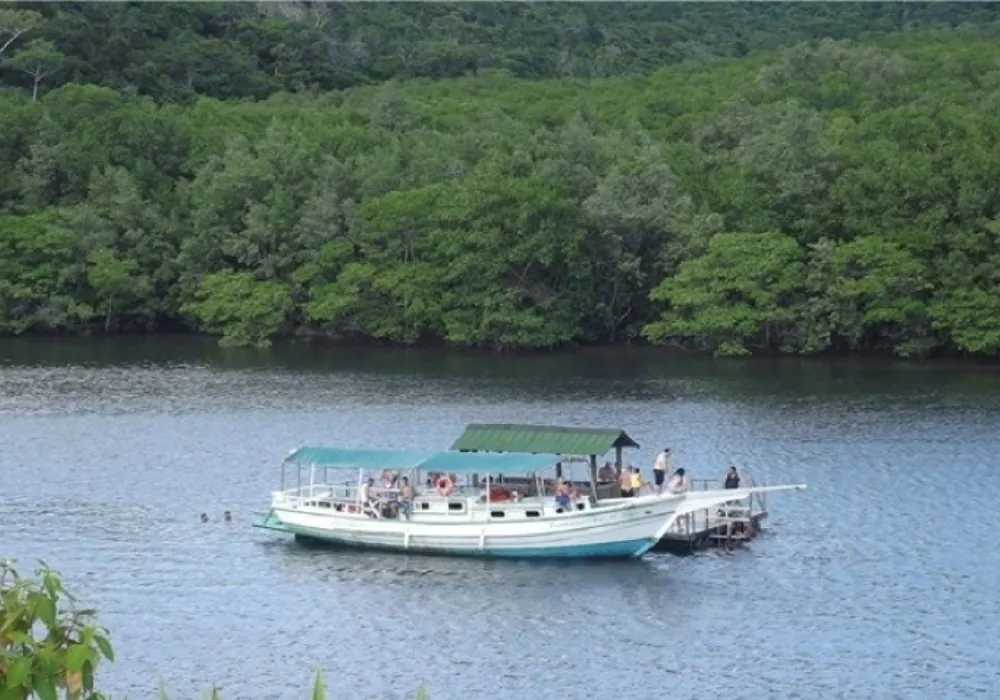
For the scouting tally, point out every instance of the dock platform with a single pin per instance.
(727, 527)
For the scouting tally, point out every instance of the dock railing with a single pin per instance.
(710, 521)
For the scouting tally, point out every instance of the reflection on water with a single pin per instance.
(877, 582)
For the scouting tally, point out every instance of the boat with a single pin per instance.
(481, 504)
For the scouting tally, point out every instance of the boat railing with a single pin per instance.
(756, 500)
(351, 493)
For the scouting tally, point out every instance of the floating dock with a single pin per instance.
(728, 527)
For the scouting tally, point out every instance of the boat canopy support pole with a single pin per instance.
(593, 477)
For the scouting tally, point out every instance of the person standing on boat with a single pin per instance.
(625, 482)
(732, 479)
(405, 497)
(368, 502)
(660, 469)
(636, 482)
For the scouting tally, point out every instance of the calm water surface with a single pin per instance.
(880, 581)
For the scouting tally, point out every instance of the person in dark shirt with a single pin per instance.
(732, 478)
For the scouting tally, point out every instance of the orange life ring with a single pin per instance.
(444, 485)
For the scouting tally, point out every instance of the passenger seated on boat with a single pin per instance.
(495, 493)
(562, 494)
(678, 483)
(606, 475)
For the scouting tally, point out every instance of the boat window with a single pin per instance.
(580, 506)
(456, 506)
(532, 513)
(497, 514)
(424, 505)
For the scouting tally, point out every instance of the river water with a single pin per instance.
(880, 581)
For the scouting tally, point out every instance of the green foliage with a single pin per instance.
(178, 51)
(241, 309)
(829, 196)
(743, 284)
(46, 646)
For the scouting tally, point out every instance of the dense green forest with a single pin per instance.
(728, 177)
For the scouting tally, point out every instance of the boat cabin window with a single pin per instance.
(497, 514)
(456, 506)
(531, 514)
(424, 505)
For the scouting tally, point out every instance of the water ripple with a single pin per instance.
(877, 582)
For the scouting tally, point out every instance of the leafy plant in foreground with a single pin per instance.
(45, 645)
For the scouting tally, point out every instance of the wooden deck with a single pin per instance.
(704, 529)
(726, 527)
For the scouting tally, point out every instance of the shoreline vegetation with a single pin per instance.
(734, 179)
(51, 648)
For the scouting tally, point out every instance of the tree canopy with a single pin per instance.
(506, 175)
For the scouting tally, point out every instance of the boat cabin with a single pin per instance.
(560, 441)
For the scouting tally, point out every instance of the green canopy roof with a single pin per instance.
(541, 439)
(452, 462)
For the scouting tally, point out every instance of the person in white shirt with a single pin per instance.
(660, 469)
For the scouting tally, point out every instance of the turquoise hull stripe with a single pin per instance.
(271, 522)
(608, 550)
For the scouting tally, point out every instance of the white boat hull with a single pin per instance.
(621, 530)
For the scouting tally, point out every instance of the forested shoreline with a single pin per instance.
(754, 189)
